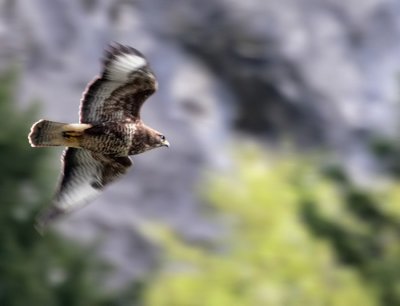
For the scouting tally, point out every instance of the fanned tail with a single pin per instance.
(45, 133)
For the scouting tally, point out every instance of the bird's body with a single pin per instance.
(115, 138)
(110, 129)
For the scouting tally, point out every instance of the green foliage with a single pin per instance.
(271, 257)
(388, 152)
(36, 270)
(364, 230)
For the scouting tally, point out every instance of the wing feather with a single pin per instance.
(122, 88)
(84, 176)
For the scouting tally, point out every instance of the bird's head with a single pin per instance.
(163, 142)
(146, 139)
(156, 139)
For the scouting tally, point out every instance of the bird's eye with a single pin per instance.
(162, 137)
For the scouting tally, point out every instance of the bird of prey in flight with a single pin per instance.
(109, 130)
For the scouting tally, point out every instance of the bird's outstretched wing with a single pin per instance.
(84, 176)
(119, 92)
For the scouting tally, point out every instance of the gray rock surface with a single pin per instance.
(320, 72)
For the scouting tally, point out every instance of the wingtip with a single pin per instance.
(114, 49)
(47, 217)
(40, 228)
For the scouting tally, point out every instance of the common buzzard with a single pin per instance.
(109, 129)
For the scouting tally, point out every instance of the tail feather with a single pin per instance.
(45, 133)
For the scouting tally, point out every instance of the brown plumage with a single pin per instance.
(109, 129)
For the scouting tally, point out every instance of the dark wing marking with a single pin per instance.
(84, 176)
(118, 94)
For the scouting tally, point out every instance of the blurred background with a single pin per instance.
(281, 185)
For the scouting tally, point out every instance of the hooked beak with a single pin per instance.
(165, 143)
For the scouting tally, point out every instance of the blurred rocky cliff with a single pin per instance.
(321, 73)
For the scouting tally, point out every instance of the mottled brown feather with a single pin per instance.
(112, 99)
